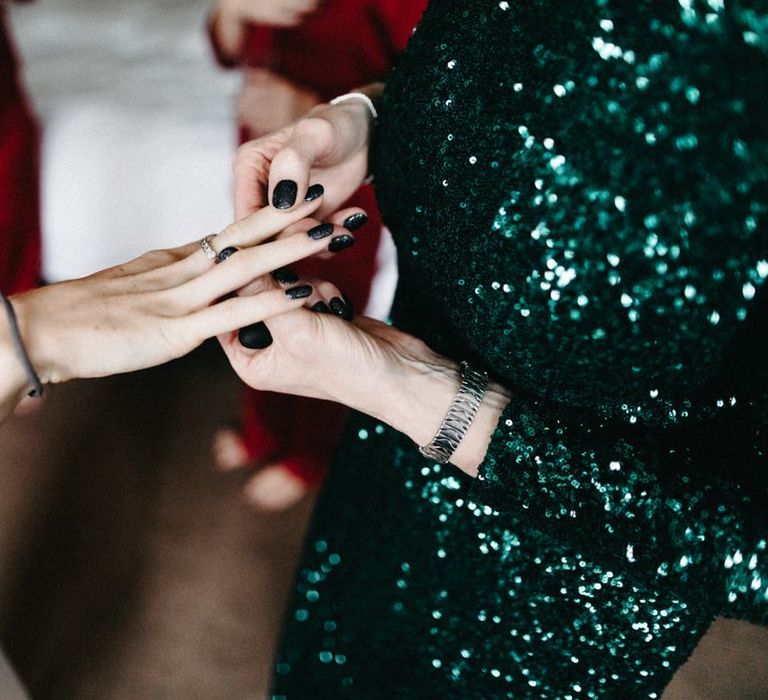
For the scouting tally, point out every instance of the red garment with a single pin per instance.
(343, 45)
(19, 178)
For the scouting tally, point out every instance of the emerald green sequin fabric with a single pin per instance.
(579, 196)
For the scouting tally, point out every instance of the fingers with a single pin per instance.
(350, 219)
(234, 313)
(259, 226)
(309, 140)
(251, 171)
(250, 263)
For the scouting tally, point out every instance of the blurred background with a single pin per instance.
(139, 127)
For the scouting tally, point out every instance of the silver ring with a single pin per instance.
(205, 244)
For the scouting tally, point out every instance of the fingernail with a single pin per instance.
(300, 292)
(284, 275)
(321, 307)
(350, 306)
(224, 254)
(284, 195)
(340, 243)
(255, 337)
(339, 308)
(314, 192)
(355, 221)
(320, 231)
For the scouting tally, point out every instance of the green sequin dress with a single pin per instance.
(579, 196)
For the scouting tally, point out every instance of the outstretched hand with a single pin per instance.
(166, 302)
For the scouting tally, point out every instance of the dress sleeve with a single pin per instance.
(647, 443)
(646, 507)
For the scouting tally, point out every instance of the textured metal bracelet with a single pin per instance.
(460, 415)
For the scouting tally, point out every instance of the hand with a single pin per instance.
(276, 13)
(329, 145)
(268, 102)
(368, 366)
(163, 304)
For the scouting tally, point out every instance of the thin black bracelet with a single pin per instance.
(21, 351)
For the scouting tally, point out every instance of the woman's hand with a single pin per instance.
(165, 303)
(368, 366)
(329, 145)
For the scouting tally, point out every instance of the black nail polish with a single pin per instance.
(340, 309)
(255, 337)
(227, 252)
(355, 221)
(284, 275)
(340, 243)
(300, 292)
(320, 231)
(321, 307)
(350, 307)
(284, 195)
(314, 192)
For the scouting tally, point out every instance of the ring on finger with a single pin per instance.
(205, 244)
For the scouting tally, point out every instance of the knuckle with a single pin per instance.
(234, 231)
(315, 126)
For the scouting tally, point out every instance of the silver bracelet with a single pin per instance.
(460, 415)
(357, 97)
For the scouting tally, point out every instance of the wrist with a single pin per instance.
(15, 382)
(415, 396)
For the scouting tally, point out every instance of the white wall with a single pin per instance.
(139, 130)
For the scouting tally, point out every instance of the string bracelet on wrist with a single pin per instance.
(459, 417)
(357, 97)
(21, 350)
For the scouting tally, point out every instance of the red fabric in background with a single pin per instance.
(343, 45)
(19, 178)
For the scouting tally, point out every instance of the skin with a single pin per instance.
(161, 305)
(366, 365)
(230, 19)
(268, 101)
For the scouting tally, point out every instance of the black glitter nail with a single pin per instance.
(314, 192)
(340, 243)
(300, 292)
(320, 231)
(321, 307)
(224, 254)
(340, 309)
(350, 307)
(355, 221)
(284, 275)
(284, 195)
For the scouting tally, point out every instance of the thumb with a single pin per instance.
(311, 139)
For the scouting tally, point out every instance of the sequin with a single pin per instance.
(605, 257)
